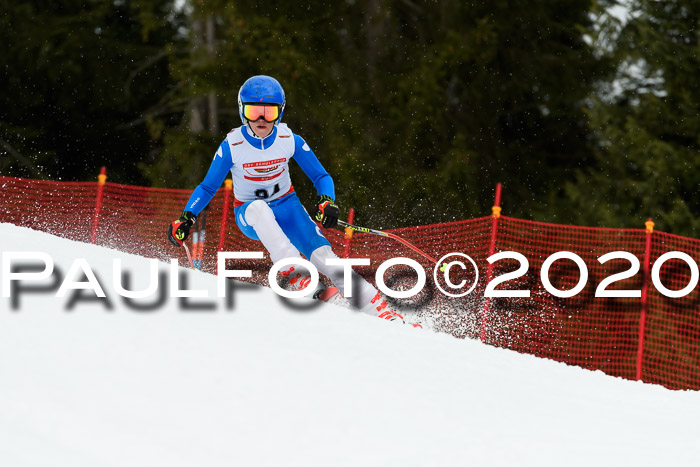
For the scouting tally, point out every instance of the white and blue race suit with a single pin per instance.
(260, 171)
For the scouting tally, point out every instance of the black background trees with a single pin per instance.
(417, 108)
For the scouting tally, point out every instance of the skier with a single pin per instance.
(266, 206)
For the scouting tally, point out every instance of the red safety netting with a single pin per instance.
(658, 342)
(671, 352)
(65, 209)
(592, 332)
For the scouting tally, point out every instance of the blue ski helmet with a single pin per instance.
(261, 89)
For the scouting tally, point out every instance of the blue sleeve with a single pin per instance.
(313, 169)
(220, 167)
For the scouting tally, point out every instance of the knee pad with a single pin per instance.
(257, 211)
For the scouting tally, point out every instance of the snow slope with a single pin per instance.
(264, 384)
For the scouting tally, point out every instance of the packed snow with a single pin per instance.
(88, 383)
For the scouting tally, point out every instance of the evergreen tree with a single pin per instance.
(493, 95)
(78, 78)
(648, 158)
(416, 108)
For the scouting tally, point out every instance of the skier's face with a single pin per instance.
(261, 128)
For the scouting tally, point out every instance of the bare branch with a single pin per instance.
(147, 63)
(35, 171)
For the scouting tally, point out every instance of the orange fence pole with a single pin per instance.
(101, 180)
(348, 233)
(495, 214)
(645, 288)
(228, 186)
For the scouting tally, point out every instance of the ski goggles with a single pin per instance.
(253, 112)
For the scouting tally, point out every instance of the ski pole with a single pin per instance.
(390, 235)
(201, 236)
(189, 256)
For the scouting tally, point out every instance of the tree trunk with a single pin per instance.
(213, 105)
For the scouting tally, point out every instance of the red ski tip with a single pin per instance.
(327, 294)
